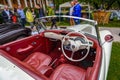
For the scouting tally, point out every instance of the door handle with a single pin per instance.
(25, 50)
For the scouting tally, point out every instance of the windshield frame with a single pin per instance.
(94, 23)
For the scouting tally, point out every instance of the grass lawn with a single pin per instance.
(115, 23)
(114, 69)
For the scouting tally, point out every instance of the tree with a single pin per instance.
(58, 2)
(104, 4)
(111, 4)
(97, 4)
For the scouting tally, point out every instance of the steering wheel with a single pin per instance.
(75, 43)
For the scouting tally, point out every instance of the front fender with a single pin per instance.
(106, 51)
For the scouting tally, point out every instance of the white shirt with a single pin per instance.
(8, 13)
(71, 11)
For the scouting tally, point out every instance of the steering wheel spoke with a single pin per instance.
(72, 55)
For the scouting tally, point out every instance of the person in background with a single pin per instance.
(15, 16)
(70, 13)
(33, 12)
(22, 15)
(30, 18)
(53, 19)
(40, 9)
(77, 11)
(51, 11)
(7, 14)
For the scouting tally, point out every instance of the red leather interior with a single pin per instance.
(23, 66)
(68, 72)
(25, 50)
(46, 70)
(88, 73)
(37, 60)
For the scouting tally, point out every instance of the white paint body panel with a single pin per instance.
(9, 71)
(106, 49)
(106, 54)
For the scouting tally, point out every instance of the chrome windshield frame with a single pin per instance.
(80, 18)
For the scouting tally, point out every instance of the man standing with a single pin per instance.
(6, 14)
(76, 11)
(40, 9)
(70, 13)
(22, 15)
(29, 17)
(53, 19)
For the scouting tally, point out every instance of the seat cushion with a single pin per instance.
(68, 72)
(37, 60)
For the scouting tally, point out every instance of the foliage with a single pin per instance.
(58, 2)
(114, 69)
(106, 4)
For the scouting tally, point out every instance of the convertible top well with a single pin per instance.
(10, 32)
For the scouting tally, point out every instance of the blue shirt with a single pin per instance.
(21, 13)
(77, 10)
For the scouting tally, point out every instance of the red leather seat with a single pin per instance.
(37, 60)
(68, 72)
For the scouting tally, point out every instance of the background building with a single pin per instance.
(25, 3)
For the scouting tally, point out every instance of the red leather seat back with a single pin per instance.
(68, 72)
(37, 60)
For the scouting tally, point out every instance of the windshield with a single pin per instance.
(67, 23)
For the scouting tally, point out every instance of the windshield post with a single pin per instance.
(97, 32)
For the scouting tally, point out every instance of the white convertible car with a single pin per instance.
(78, 52)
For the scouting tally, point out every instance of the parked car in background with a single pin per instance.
(11, 31)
